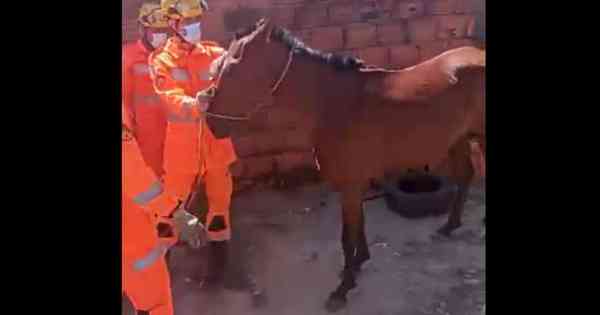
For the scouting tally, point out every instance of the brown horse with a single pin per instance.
(365, 123)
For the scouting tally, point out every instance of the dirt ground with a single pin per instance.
(288, 243)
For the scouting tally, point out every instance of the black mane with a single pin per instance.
(339, 61)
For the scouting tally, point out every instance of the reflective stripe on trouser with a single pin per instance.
(150, 289)
(146, 196)
(219, 186)
(152, 257)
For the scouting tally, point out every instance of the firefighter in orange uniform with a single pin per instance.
(149, 120)
(180, 72)
(144, 203)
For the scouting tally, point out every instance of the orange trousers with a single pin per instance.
(219, 187)
(148, 287)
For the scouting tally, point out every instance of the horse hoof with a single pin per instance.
(335, 303)
(447, 229)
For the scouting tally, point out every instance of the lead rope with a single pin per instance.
(226, 117)
(273, 90)
(285, 70)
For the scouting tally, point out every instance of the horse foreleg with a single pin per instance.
(462, 173)
(359, 255)
(351, 239)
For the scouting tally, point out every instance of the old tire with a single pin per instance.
(420, 196)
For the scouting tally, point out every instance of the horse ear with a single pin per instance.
(264, 29)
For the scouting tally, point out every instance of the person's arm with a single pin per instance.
(170, 90)
(141, 185)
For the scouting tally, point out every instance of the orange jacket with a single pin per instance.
(179, 71)
(150, 122)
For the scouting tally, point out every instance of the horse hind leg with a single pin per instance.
(462, 173)
(362, 252)
(351, 240)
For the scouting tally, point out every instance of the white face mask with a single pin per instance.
(158, 39)
(192, 33)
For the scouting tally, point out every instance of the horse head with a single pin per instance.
(245, 76)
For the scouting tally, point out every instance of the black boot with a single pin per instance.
(217, 264)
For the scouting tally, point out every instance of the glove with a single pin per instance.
(190, 229)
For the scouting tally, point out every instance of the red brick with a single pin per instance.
(454, 26)
(387, 5)
(422, 29)
(283, 16)
(311, 16)
(404, 56)
(346, 52)
(287, 2)
(438, 7)
(130, 31)
(430, 49)
(213, 27)
(470, 6)
(327, 38)
(409, 9)
(392, 34)
(370, 11)
(456, 43)
(361, 35)
(253, 3)
(377, 56)
(343, 14)
(131, 8)
(222, 5)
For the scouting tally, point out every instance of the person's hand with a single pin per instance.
(204, 97)
(190, 229)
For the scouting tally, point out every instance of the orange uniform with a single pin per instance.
(192, 152)
(145, 276)
(150, 122)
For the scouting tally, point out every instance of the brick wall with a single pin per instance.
(395, 33)
(391, 33)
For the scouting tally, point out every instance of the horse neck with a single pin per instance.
(297, 91)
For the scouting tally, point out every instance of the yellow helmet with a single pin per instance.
(151, 15)
(179, 9)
